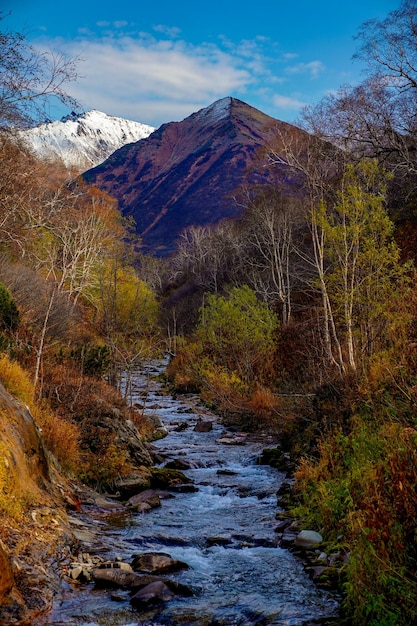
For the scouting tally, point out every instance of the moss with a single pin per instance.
(163, 478)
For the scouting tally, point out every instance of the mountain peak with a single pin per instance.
(219, 110)
(186, 172)
(84, 140)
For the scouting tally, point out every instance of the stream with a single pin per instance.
(224, 531)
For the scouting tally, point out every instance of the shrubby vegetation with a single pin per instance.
(336, 265)
(299, 317)
(74, 314)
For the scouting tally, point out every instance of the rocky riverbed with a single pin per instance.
(205, 544)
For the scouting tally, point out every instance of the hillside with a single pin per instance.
(29, 542)
(185, 173)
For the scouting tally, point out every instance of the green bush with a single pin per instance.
(9, 315)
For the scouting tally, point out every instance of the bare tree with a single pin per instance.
(377, 118)
(317, 164)
(267, 227)
(29, 78)
(388, 46)
(204, 254)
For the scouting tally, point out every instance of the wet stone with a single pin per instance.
(157, 563)
(153, 593)
(179, 464)
(114, 578)
(218, 541)
(145, 501)
(203, 427)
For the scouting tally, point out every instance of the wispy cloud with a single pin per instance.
(170, 31)
(157, 76)
(313, 68)
(127, 74)
(286, 102)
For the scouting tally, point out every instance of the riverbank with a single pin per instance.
(221, 524)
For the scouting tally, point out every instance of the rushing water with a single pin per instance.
(224, 532)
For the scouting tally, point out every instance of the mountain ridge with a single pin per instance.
(185, 173)
(82, 141)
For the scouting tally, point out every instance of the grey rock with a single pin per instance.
(118, 578)
(308, 539)
(145, 501)
(156, 592)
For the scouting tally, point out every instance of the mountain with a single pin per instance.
(83, 141)
(185, 172)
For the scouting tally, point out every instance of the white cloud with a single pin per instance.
(314, 68)
(159, 77)
(162, 76)
(170, 31)
(286, 102)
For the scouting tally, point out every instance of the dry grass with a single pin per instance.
(60, 436)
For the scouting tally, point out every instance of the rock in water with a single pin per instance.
(157, 563)
(155, 592)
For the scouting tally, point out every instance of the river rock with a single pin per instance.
(203, 426)
(282, 525)
(218, 541)
(130, 485)
(275, 457)
(179, 464)
(157, 563)
(180, 427)
(114, 578)
(145, 579)
(308, 539)
(165, 478)
(158, 429)
(184, 488)
(232, 440)
(145, 501)
(155, 592)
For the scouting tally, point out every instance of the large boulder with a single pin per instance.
(165, 478)
(120, 578)
(157, 563)
(128, 486)
(203, 426)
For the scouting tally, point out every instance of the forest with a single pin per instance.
(298, 317)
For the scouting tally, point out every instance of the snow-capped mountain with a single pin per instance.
(84, 141)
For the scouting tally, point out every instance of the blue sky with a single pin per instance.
(158, 61)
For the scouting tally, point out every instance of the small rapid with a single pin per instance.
(223, 530)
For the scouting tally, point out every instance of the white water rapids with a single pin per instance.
(246, 580)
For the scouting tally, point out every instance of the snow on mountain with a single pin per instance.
(214, 113)
(86, 140)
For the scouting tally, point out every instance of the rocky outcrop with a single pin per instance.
(6, 575)
(32, 500)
